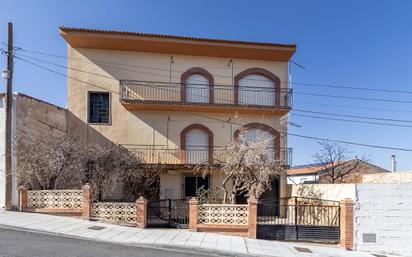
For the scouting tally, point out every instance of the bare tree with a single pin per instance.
(248, 168)
(335, 165)
(50, 162)
(65, 163)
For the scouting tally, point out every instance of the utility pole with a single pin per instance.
(9, 104)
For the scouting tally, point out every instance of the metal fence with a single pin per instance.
(168, 213)
(223, 95)
(205, 155)
(299, 219)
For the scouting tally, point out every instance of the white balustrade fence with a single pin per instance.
(115, 212)
(230, 214)
(55, 199)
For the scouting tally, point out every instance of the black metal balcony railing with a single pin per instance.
(218, 95)
(196, 155)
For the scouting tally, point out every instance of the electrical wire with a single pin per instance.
(226, 76)
(353, 121)
(230, 122)
(353, 116)
(254, 88)
(351, 107)
(309, 116)
(355, 98)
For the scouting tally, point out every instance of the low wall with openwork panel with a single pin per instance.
(233, 214)
(115, 212)
(54, 201)
(223, 218)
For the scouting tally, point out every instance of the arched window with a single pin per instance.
(196, 143)
(257, 87)
(255, 132)
(197, 86)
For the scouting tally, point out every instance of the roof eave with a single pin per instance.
(131, 41)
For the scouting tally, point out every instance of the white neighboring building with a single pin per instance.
(303, 174)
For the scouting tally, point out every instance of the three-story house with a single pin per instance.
(176, 100)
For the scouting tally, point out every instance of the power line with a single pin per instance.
(226, 76)
(353, 121)
(356, 98)
(64, 75)
(312, 137)
(353, 116)
(351, 107)
(309, 116)
(254, 88)
(227, 121)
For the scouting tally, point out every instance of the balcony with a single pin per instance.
(146, 95)
(153, 155)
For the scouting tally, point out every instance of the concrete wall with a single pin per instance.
(334, 192)
(398, 177)
(384, 212)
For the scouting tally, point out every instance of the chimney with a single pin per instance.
(393, 163)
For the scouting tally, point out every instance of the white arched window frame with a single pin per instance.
(253, 135)
(197, 146)
(255, 89)
(197, 89)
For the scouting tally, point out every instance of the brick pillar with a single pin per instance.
(23, 198)
(252, 217)
(346, 223)
(141, 212)
(193, 214)
(87, 201)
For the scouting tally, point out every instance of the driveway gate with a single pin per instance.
(168, 213)
(299, 219)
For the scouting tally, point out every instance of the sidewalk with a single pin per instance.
(165, 238)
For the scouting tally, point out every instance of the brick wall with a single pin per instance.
(383, 213)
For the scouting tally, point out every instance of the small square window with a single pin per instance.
(99, 107)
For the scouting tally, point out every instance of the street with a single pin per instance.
(15, 243)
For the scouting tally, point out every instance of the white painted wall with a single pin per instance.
(334, 192)
(384, 210)
(397, 177)
(2, 154)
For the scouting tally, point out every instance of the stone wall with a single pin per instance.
(383, 218)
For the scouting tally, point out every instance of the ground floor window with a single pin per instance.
(191, 183)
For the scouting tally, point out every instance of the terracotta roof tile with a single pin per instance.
(212, 40)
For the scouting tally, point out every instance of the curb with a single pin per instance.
(194, 250)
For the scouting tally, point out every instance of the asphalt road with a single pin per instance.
(16, 243)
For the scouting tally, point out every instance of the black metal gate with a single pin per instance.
(299, 219)
(168, 213)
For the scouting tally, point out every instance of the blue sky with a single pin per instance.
(366, 44)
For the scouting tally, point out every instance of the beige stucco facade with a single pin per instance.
(101, 70)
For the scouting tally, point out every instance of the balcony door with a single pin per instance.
(197, 147)
(256, 135)
(256, 89)
(197, 89)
